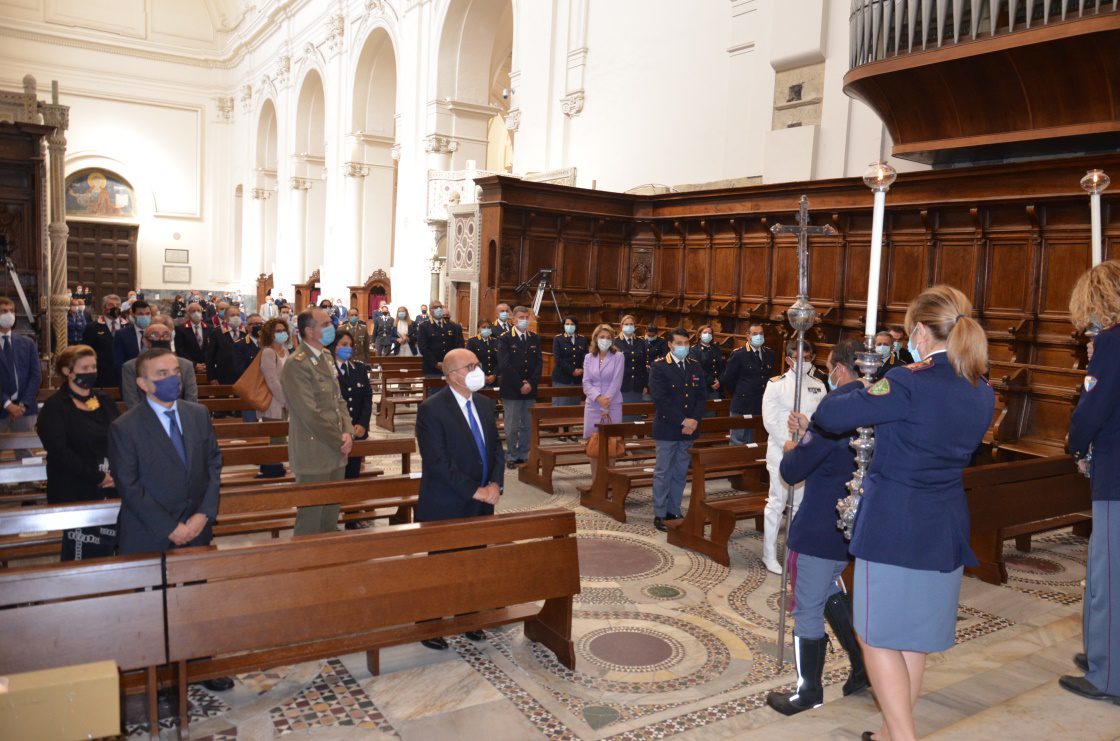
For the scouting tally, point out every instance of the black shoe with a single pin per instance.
(810, 655)
(838, 612)
(218, 684)
(660, 524)
(1082, 686)
(438, 644)
(671, 516)
(868, 736)
(1081, 661)
(511, 465)
(475, 635)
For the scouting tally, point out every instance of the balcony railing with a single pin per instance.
(884, 28)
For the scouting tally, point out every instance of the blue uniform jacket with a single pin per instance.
(677, 395)
(928, 422)
(745, 377)
(1096, 420)
(567, 358)
(635, 375)
(825, 462)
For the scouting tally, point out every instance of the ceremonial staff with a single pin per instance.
(802, 316)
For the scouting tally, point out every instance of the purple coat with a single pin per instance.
(602, 380)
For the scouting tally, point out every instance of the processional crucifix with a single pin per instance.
(802, 316)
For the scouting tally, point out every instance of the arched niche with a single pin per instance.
(99, 193)
(309, 161)
(368, 297)
(307, 293)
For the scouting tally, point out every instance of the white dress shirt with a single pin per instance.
(474, 410)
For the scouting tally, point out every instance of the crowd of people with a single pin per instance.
(930, 405)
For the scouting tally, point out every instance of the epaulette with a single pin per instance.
(921, 365)
(777, 378)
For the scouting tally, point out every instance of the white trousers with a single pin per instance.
(775, 504)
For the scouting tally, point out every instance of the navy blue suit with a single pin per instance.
(710, 357)
(745, 377)
(20, 374)
(454, 470)
(100, 338)
(567, 357)
(435, 339)
(928, 423)
(656, 347)
(1096, 420)
(126, 345)
(825, 462)
(486, 350)
(635, 375)
(677, 395)
(519, 360)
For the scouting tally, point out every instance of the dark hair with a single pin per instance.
(140, 304)
(676, 332)
(305, 320)
(791, 348)
(149, 355)
(896, 328)
(844, 353)
(343, 333)
(571, 319)
(883, 333)
(756, 324)
(269, 330)
(5, 301)
(482, 323)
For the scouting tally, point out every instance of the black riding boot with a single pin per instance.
(810, 655)
(838, 612)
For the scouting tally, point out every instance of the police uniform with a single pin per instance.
(500, 327)
(777, 403)
(486, 350)
(679, 389)
(1095, 427)
(817, 554)
(744, 382)
(656, 347)
(635, 371)
(353, 385)
(911, 533)
(568, 352)
(893, 361)
(244, 351)
(99, 336)
(519, 360)
(710, 357)
(436, 338)
(384, 330)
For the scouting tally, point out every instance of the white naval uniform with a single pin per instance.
(777, 403)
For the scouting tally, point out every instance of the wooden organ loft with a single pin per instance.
(1014, 238)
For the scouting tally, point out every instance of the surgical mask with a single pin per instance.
(486, 333)
(627, 329)
(913, 350)
(196, 316)
(437, 313)
(401, 315)
(113, 312)
(757, 340)
(897, 345)
(831, 383)
(7, 320)
(680, 352)
(503, 315)
(165, 344)
(344, 353)
(604, 344)
(569, 329)
(255, 330)
(706, 337)
(353, 320)
(522, 324)
(235, 321)
(167, 389)
(475, 380)
(280, 337)
(287, 319)
(883, 350)
(85, 380)
(328, 335)
(143, 322)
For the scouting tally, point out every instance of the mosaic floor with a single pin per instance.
(668, 643)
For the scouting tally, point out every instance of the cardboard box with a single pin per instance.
(73, 702)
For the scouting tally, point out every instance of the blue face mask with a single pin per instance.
(437, 313)
(503, 315)
(757, 340)
(913, 350)
(883, 350)
(280, 337)
(522, 324)
(353, 320)
(143, 322)
(628, 329)
(167, 389)
(831, 383)
(706, 337)
(680, 352)
(401, 315)
(328, 335)
(344, 353)
(486, 332)
(569, 329)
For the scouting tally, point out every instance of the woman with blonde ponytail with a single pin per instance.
(911, 535)
(1095, 428)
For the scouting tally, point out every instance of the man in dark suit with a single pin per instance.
(384, 330)
(519, 372)
(164, 458)
(128, 341)
(222, 361)
(191, 337)
(99, 336)
(457, 432)
(436, 338)
(744, 379)
(20, 375)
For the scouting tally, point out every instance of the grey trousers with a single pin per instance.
(1102, 599)
(519, 422)
(321, 518)
(670, 473)
(814, 580)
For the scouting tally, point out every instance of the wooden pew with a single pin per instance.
(256, 455)
(399, 388)
(744, 466)
(1016, 499)
(234, 610)
(73, 613)
(1033, 409)
(36, 532)
(615, 478)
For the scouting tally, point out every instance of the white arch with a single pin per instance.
(145, 196)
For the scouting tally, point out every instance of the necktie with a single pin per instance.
(198, 335)
(177, 437)
(478, 441)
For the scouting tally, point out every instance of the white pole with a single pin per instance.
(1095, 211)
(876, 260)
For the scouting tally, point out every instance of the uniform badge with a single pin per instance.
(881, 388)
(1090, 383)
(806, 438)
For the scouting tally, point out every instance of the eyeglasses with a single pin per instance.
(470, 368)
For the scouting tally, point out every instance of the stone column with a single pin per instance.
(298, 221)
(57, 116)
(355, 206)
(257, 217)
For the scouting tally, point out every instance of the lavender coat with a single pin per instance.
(604, 380)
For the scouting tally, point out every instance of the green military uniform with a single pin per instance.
(317, 419)
(360, 330)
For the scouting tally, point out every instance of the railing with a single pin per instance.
(884, 28)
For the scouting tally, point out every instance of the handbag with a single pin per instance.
(252, 387)
(615, 447)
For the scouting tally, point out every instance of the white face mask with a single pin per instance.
(475, 380)
(604, 344)
(235, 321)
(7, 320)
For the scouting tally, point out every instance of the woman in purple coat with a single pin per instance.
(603, 368)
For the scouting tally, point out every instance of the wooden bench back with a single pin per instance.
(1006, 494)
(65, 614)
(271, 497)
(22, 520)
(245, 430)
(260, 454)
(286, 597)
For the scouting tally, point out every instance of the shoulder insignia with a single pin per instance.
(881, 388)
(806, 438)
(1090, 383)
(920, 365)
(776, 378)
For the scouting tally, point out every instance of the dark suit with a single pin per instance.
(486, 350)
(384, 330)
(353, 384)
(187, 344)
(519, 360)
(679, 389)
(100, 338)
(20, 375)
(157, 492)
(454, 467)
(126, 345)
(222, 363)
(435, 339)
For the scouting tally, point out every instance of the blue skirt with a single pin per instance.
(906, 609)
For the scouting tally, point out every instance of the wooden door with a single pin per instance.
(462, 299)
(102, 257)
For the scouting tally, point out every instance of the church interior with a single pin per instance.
(595, 161)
